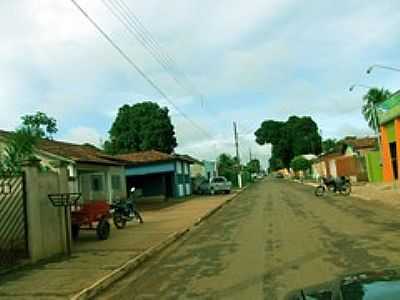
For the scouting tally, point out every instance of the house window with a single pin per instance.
(116, 182)
(97, 183)
(178, 167)
(186, 168)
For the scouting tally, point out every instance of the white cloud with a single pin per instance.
(289, 58)
(81, 135)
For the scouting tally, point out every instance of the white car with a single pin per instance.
(217, 184)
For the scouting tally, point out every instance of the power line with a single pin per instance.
(155, 45)
(118, 11)
(136, 67)
(170, 60)
(135, 27)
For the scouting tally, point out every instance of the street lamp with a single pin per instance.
(369, 70)
(353, 86)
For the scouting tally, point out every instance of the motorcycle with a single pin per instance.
(341, 185)
(124, 210)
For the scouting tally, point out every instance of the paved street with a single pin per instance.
(275, 237)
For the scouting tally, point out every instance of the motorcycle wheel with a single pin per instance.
(103, 229)
(346, 189)
(119, 221)
(139, 217)
(319, 191)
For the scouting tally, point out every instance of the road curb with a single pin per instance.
(106, 281)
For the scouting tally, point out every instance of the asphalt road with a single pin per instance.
(275, 237)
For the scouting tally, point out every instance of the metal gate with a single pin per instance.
(13, 220)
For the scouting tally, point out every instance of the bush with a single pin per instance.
(299, 163)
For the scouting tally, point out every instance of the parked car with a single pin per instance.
(217, 184)
(279, 175)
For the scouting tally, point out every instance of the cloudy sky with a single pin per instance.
(251, 60)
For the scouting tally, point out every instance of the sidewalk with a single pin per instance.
(92, 260)
(384, 193)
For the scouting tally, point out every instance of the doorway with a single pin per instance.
(393, 157)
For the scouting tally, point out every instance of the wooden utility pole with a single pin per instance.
(236, 138)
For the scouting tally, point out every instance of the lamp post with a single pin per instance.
(353, 86)
(369, 70)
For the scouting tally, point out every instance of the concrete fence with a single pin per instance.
(46, 224)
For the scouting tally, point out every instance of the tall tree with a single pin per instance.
(254, 166)
(142, 126)
(40, 125)
(298, 135)
(373, 97)
(227, 166)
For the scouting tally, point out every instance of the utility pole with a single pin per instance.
(236, 138)
(250, 158)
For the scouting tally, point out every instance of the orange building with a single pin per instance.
(389, 117)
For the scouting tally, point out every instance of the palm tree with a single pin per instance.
(373, 97)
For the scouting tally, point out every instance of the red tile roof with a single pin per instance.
(152, 156)
(362, 143)
(78, 153)
(75, 152)
(145, 157)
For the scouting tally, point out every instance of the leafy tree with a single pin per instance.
(18, 148)
(373, 97)
(40, 125)
(270, 132)
(299, 163)
(328, 145)
(142, 126)
(253, 166)
(227, 167)
(296, 136)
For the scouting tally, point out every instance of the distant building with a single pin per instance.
(158, 175)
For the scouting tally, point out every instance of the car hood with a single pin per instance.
(376, 285)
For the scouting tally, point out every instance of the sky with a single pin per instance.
(246, 61)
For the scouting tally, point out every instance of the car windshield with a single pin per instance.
(218, 179)
(377, 290)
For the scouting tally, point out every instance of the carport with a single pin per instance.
(157, 174)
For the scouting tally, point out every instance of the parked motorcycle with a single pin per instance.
(340, 185)
(124, 210)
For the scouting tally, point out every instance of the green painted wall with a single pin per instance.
(389, 109)
(373, 159)
(391, 131)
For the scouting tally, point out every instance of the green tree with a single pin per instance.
(328, 145)
(296, 136)
(299, 163)
(373, 97)
(253, 166)
(142, 126)
(40, 125)
(227, 167)
(18, 148)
